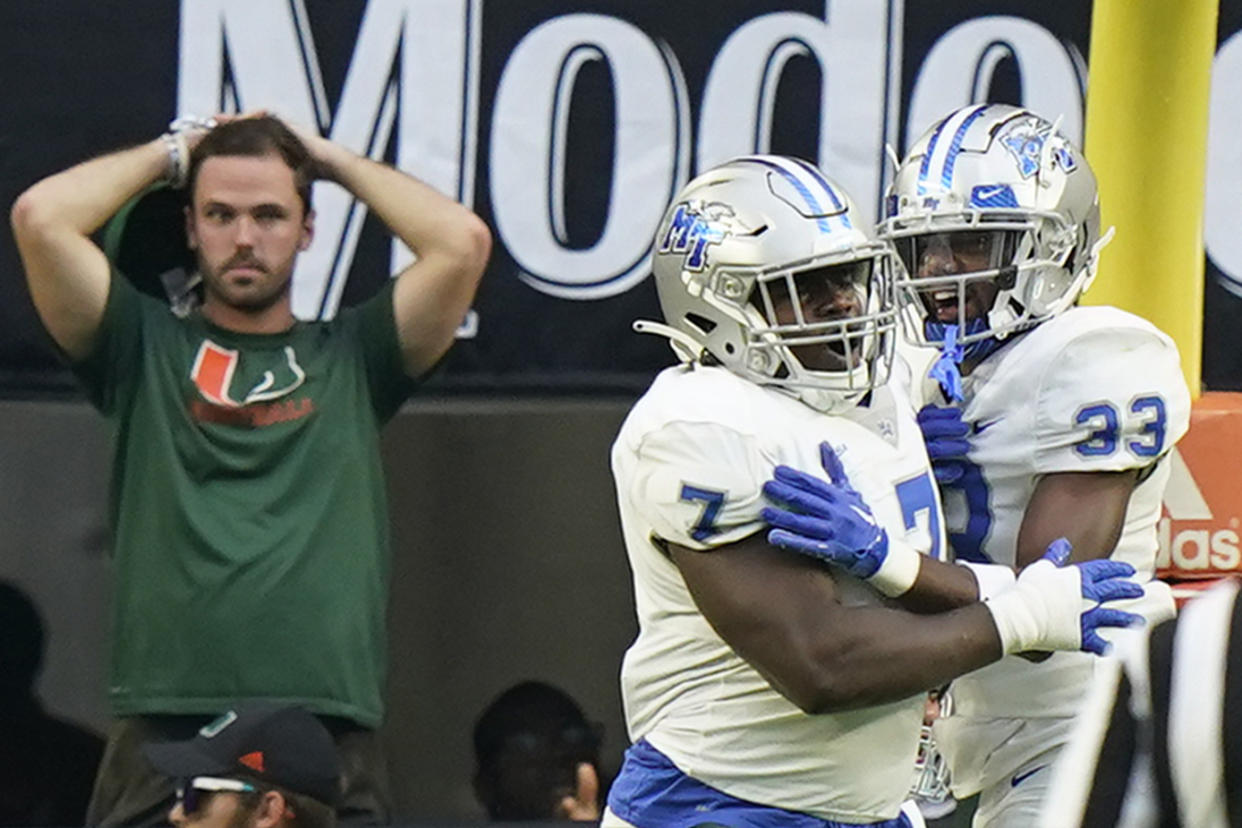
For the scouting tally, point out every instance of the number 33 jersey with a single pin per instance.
(689, 464)
(1094, 389)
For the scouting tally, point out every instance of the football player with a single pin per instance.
(1045, 419)
(765, 688)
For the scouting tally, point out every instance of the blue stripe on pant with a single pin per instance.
(652, 791)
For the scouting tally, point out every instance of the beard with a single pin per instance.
(252, 294)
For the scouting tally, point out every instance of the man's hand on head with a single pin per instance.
(327, 155)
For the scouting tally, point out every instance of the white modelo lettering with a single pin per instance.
(527, 169)
(272, 65)
(856, 56)
(959, 69)
(1192, 550)
(1224, 167)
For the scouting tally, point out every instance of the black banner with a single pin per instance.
(566, 126)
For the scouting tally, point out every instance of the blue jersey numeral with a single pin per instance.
(917, 497)
(1104, 422)
(1154, 426)
(712, 501)
(968, 543)
(1102, 419)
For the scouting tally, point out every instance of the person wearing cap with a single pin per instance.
(260, 765)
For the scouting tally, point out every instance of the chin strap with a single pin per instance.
(946, 370)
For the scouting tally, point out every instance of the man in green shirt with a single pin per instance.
(249, 510)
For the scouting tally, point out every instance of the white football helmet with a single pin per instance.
(764, 266)
(995, 217)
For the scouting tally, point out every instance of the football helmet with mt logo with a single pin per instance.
(764, 266)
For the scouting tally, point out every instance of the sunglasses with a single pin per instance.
(193, 793)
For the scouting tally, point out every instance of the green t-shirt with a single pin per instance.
(248, 506)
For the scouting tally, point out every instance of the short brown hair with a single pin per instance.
(308, 812)
(257, 136)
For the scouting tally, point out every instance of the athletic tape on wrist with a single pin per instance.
(898, 571)
(992, 579)
(1041, 611)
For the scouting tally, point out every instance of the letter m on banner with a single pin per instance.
(414, 69)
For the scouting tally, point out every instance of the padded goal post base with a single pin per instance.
(1201, 525)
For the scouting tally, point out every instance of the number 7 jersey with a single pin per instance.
(689, 463)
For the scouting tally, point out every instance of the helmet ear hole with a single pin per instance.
(1007, 278)
(704, 324)
(729, 349)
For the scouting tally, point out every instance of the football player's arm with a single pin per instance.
(941, 586)
(781, 614)
(1087, 508)
(1107, 412)
(67, 274)
(451, 245)
(828, 520)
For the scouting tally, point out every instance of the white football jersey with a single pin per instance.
(1093, 389)
(689, 464)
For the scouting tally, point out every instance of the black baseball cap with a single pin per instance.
(280, 744)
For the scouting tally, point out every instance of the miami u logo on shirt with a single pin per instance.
(215, 368)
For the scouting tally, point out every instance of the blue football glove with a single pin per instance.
(1100, 582)
(829, 521)
(1044, 610)
(945, 433)
(1058, 552)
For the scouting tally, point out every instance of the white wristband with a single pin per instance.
(179, 148)
(1041, 611)
(992, 579)
(178, 159)
(898, 571)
